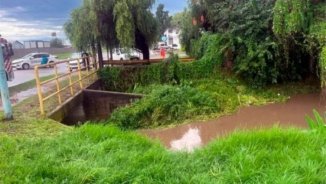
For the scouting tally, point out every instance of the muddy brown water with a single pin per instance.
(289, 114)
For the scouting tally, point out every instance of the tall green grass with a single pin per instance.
(317, 123)
(104, 154)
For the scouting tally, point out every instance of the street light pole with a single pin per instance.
(4, 89)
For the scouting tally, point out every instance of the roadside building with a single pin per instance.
(35, 44)
(173, 37)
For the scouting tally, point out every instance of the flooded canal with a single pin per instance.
(190, 136)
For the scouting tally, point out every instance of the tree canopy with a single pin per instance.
(163, 19)
(123, 23)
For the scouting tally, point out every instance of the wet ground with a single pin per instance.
(17, 97)
(22, 76)
(190, 136)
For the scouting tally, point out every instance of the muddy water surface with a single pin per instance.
(289, 114)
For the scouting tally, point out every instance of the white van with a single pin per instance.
(127, 54)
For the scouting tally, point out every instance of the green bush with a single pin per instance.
(169, 72)
(208, 46)
(166, 105)
(257, 63)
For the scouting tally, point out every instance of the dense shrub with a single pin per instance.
(169, 72)
(264, 42)
(166, 105)
(208, 46)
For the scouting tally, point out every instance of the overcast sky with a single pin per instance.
(37, 19)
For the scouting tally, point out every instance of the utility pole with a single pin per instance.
(4, 89)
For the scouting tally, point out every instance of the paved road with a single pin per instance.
(22, 76)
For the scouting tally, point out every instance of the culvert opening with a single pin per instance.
(92, 104)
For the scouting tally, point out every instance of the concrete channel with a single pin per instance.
(92, 104)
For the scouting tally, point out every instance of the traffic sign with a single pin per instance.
(164, 38)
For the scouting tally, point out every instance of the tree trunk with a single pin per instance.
(142, 45)
(145, 51)
(111, 53)
(100, 54)
(107, 52)
(93, 48)
(322, 100)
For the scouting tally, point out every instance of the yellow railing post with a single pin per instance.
(39, 90)
(70, 80)
(79, 74)
(58, 85)
(90, 73)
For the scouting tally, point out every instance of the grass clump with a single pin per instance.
(318, 123)
(170, 71)
(105, 154)
(166, 105)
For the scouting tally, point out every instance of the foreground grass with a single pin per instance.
(28, 123)
(104, 154)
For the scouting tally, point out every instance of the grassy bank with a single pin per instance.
(64, 55)
(28, 123)
(104, 154)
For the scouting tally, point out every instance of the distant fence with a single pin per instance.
(22, 52)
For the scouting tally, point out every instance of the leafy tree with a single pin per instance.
(79, 29)
(163, 18)
(106, 23)
(125, 23)
(177, 19)
(135, 24)
(56, 43)
(189, 32)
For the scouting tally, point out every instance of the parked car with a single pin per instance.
(32, 59)
(164, 46)
(126, 54)
(175, 46)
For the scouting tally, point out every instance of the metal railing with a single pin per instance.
(138, 62)
(74, 76)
